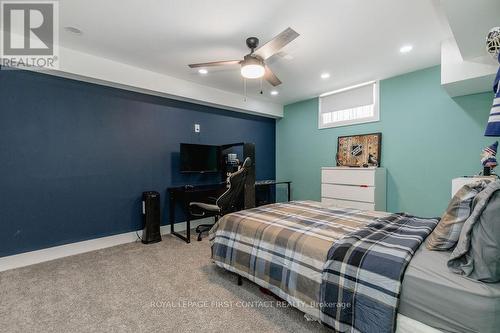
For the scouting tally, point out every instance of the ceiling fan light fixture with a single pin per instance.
(252, 71)
(252, 67)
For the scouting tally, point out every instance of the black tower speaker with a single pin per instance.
(151, 217)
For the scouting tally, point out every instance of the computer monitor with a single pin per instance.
(199, 158)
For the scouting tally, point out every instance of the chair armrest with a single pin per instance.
(205, 206)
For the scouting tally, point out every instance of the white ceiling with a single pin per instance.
(354, 40)
(481, 16)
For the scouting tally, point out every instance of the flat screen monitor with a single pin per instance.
(199, 158)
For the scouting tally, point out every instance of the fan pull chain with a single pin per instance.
(261, 92)
(245, 88)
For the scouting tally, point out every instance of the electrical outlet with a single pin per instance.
(197, 128)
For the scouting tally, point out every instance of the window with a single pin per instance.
(354, 105)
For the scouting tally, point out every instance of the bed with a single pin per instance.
(286, 247)
(447, 301)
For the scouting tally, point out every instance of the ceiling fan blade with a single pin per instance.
(277, 43)
(270, 77)
(216, 63)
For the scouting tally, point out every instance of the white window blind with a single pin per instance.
(354, 105)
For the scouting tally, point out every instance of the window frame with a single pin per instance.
(376, 107)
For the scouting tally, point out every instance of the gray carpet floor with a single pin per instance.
(164, 287)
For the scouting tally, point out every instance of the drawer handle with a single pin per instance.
(363, 186)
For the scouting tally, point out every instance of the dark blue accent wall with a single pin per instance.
(75, 157)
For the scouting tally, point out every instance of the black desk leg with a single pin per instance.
(188, 222)
(172, 222)
(289, 196)
(171, 213)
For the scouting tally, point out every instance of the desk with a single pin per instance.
(269, 183)
(186, 194)
(201, 193)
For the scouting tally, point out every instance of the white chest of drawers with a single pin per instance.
(457, 183)
(361, 188)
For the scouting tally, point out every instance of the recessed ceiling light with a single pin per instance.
(73, 30)
(406, 48)
(325, 76)
(274, 92)
(202, 71)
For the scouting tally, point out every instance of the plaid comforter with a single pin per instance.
(343, 266)
(365, 270)
(283, 247)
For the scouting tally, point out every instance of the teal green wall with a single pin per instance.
(428, 138)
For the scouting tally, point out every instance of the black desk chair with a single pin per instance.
(230, 201)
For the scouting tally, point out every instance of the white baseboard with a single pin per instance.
(56, 252)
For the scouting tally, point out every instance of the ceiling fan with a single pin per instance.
(253, 65)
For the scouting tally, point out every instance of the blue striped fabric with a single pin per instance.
(364, 272)
(493, 128)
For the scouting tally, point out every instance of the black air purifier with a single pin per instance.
(151, 217)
